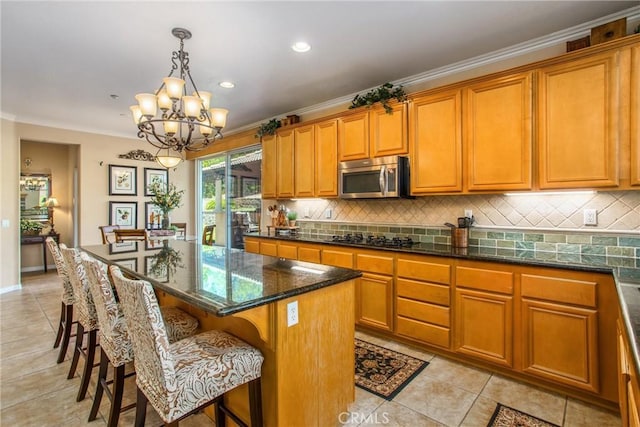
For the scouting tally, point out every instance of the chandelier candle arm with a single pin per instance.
(185, 122)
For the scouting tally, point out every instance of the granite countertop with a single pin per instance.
(626, 271)
(217, 280)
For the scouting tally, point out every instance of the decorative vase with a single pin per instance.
(166, 221)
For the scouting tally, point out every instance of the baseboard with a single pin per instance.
(37, 268)
(10, 289)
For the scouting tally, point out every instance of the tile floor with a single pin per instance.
(34, 390)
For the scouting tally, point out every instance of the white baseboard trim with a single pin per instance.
(37, 268)
(10, 289)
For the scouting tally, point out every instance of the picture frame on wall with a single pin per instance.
(124, 214)
(123, 247)
(128, 263)
(250, 186)
(154, 175)
(150, 208)
(123, 180)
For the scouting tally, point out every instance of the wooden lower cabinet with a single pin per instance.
(484, 326)
(288, 250)
(628, 390)
(252, 246)
(309, 253)
(374, 290)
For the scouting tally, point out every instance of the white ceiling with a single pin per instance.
(61, 61)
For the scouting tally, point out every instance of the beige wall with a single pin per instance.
(94, 154)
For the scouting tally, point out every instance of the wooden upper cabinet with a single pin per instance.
(353, 136)
(269, 167)
(635, 116)
(578, 123)
(304, 161)
(435, 143)
(388, 132)
(326, 159)
(285, 162)
(498, 133)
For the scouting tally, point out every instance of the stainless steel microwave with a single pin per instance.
(376, 178)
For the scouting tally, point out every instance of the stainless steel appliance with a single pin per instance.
(378, 241)
(375, 178)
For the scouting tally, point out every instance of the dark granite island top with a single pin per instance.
(215, 279)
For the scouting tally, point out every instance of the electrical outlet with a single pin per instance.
(327, 214)
(292, 313)
(468, 213)
(307, 213)
(590, 217)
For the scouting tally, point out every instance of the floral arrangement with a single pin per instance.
(268, 128)
(30, 227)
(166, 262)
(382, 94)
(166, 198)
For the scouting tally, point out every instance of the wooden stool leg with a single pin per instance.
(221, 419)
(88, 365)
(60, 326)
(255, 402)
(141, 408)
(68, 325)
(118, 390)
(102, 375)
(77, 351)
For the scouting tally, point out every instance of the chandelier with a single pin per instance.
(33, 184)
(185, 122)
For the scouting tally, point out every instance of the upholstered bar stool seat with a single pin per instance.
(115, 343)
(181, 378)
(66, 311)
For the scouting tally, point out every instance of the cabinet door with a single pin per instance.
(269, 248)
(389, 131)
(326, 157)
(635, 116)
(285, 161)
(304, 161)
(353, 136)
(498, 134)
(578, 123)
(252, 246)
(560, 343)
(269, 167)
(287, 250)
(483, 326)
(435, 137)
(374, 295)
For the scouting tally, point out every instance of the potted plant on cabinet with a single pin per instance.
(383, 95)
(29, 227)
(292, 217)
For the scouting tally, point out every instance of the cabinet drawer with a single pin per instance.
(337, 258)
(287, 251)
(420, 270)
(431, 334)
(267, 248)
(309, 254)
(569, 291)
(374, 264)
(252, 246)
(426, 292)
(423, 312)
(488, 280)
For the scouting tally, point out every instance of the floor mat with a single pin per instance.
(505, 416)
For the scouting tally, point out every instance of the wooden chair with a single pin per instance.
(130, 234)
(208, 237)
(184, 377)
(66, 313)
(181, 232)
(107, 233)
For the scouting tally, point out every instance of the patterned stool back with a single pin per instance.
(114, 337)
(63, 274)
(84, 305)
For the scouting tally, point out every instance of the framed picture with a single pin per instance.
(123, 247)
(154, 175)
(128, 263)
(123, 180)
(124, 214)
(152, 222)
(250, 186)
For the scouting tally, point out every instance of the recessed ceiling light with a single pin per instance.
(114, 96)
(227, 85)
(301, 47)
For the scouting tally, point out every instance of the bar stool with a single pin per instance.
(87, 318)
(66, 312)
(181, 378)
(115, 345)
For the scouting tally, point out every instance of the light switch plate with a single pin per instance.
(5, 223)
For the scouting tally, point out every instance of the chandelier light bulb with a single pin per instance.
(147, 103)
(170, 127)
(192, 106)
(164, 101)
(205, 128)
(205, 97)
(174, 87)
(136, 113)
(219, 117)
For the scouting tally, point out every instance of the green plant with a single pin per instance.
(292, 216)
(268, 128)
(382, 94)
(30, 226)
(166, 198)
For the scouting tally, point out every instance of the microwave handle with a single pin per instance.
(383, 179)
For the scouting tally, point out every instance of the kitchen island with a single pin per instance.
(300, 315)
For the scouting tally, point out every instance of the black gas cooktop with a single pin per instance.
(376, 241)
